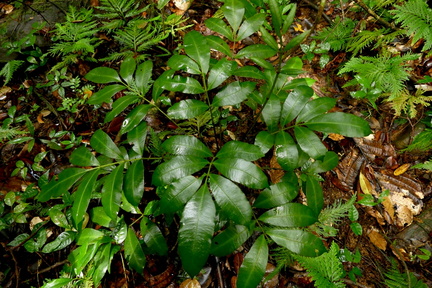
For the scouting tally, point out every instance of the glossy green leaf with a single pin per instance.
(250, 26)
(242, 150)
(272, 113)
(278, 194)
(196, 231)
(137, 137)
(134, 118)
(314, 194)
(58, 283)
(268, 38)
(315, 108)
(105, 94)
(103, 75)
(219, 26)
(83, 157)
(256, 51)
(294, 83)
(196, 47)
(298, 241)
(254, 265)
(341, 123)
(89, 236)
(183, 145)
(178, 193)
(82, 197)
(309, 142)
(221, 71)
(127, 69)
(233, 11)
(249, 72)
(330, 161)
(112, 191)
(233, 93)
(119, 106)
(242, 171)
(134, 252)
(265, 141)
(183, 62)
(56, 188)
(58, 217)
(134, 183)
(102, 261)
(98, 216)
(231, 200)
(176, 168)
(218, 44)
(153, 237)
(289, 19)
(186, 85)
(229, 240)
(293, 67)
(158, 85)
(276, 14)
(294, 103)
(297, 40)
(286, 150)
(102, 143)
(290, 215)
(187, 109)
(63, 240)
(143, 76)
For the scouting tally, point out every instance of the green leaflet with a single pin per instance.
(218, 44)
(294, 103)
(103, 75)
(250, 26)
(233, 11)
(196, 47)
(330, 161)
(83, 157)
(143, 77)
(231, 200)
(153, 237)
(276, 16)
(241, 171)
(309, 142)
(314, 194)
(119, 105)
(177, 168)
(56, 188)
(254, 265)
(62, 241)
(183, 145)
(278, 194)
(178, 193)
(341, 123)
(82, 197)
(315, 108)
(229, 240)
(134, 252)
(233, 93)
(185, 85)
(221, 71)
(242, 150)
(158, 85)
(265, 141)
(256, 51)
(196, 231)
(133, 185)
(137, 136)
(187, 109)
(98, 216)
(298, 241)
(289, 215)
(219, 26)
(112, 191)
(127, 69)
(272, 113)
(134, 118)
(57, 283)
(183, 62)
(102, 143)
(287, 151)
(249, 72)
(105, 94)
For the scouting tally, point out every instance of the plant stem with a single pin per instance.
(376, 16)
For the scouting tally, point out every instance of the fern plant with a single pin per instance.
(9, 69)
(117, 13)
(338, 34)
(396, 279)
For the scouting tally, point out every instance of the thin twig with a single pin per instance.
(376, 16)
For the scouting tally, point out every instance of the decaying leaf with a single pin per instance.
(365, 185)
(405, 215)
(275, 172)
(377, 239)
(348, 169)
(372, 148)
(336, 137)
(389, 210)
(190, 283)
(401, 169)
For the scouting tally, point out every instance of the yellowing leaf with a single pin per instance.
(190, 283)
(365, 185)
(402, 169)
(389, 209)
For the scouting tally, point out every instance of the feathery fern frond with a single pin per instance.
(338, 34)
(421, 142)
(9, 69)
(118, 11)
(426, 165)
(8, 133)
(395, 279)
(407, 103)
(366, 38)
(416, 18)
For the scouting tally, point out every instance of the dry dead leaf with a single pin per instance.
(6, 8)
(42, 114)
(389, 209)
(3, 91)
(405, 216)
(401, 169)
(275, 172)
(190, 283)
(365, 185)
(336, 137)
(377, 239)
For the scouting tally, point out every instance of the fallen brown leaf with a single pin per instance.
(377, 239)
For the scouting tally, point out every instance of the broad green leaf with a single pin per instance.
(233, 93)
(327, 163)
(314, 194)
(293, 67)
(102, 261)
(297, 40)
(153, 237)
(289, 18)
(178, 193)
(340, 123)
(183, 145)
(231, 200)
(265, 141)
(119, 233)
(105, 94)
(309, 142)
(196, 47)
(276, 14)
(250, 26)
(290, 215)
(294, 83)
(102, 143)
(272, 113)
(196, 231)
(229, 240)
(256, 51)
(158, 84)
(242, 150)
(127, 69)
(268, 38)
(262, 62)
(63, 240)
(82, 197)
(254, 265)
(134, 252)
(183, 62)
(219, 26)
(89, 236)
(315, 108)
(98, 216)
(161, 4)
(119, 105)
(294, 103)
(103, 75)
(221, 71)
(298, 241)
(233, 11)
(58, 217)
(176, 168)
(134, 118)
(218, 44)
(134, 183)
(143, 76)
(81, 256)
(112, 191)
(56, 188)
(186, 85)
(137, 137)
(278, 194)
(187, 109)
(58, 283)
(249, 72)
(83, 157)
(242, 171)
(286, 150)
